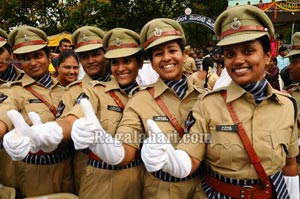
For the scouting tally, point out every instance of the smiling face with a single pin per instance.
(167, 60)
(245, 62)
(125, 69)
(68, 70)
(35, 64)
(93, 62)
(5, 59)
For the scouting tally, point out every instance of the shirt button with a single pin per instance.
(227, 143)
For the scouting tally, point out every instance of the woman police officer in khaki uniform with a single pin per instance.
(247, 117)
(88, 41)
(39, 172)
(102, 179)
(108, 100)
(294, 70)
(164, 40)
(8, 73)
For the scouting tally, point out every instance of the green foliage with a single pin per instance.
(54, 17)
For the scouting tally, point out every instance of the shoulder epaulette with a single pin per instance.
(94, 83)
(78, 83)
(293, 101)
(10, 84)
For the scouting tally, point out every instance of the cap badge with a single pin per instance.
(118, 41)
(236, 24)
(84, 38)
(25, 37)
(157, 32)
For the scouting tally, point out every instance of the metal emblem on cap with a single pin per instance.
(236, 24)
(118, 41)
(84, 38)
(157, 32)
(25, 37)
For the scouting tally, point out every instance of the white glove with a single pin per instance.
(88, 132)
(292, 183)
(17, 147)
(47, 136)
(158, 153)
(18, 142)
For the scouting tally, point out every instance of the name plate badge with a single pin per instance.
(230, 128)
(160, 118)
(114, 108)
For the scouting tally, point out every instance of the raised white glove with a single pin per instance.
(292, 183)
(48, 135)
(88, 132)
(18, 142)
(158, 153)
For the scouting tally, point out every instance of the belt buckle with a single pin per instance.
(247, 187)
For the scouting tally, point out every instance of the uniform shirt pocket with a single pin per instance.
(110, 125)
(226, 150)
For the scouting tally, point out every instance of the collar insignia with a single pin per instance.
(157, 32)
(236, 24)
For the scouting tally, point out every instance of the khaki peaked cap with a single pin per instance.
(3, 38)
(121, 42)
(160, 30)
(87, 38)
(242, 23)
(26, 39)
(296, 45)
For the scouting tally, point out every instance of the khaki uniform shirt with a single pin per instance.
(20, 99)
(107, 110)
(270, 126)
(72, 92)
(142, 107)
(189, 65)
(295, 92)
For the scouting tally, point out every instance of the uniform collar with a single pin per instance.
(160, 87)
(234, 91)
(27, 80)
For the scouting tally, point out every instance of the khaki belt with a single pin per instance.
(237, 191)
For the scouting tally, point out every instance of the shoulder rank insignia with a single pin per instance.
(60, 109)
(3, 97)
(189, 122)
(81, 96)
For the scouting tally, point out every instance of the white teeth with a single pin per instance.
(168, 66)
(123, 75)
(240, 70)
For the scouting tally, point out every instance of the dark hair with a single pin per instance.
(221, 61)
(265, 42)
(8, 48)
(274, 59)
(206, 63)
(282, 48)
(66, 54)
(180, 42)
(64, 40)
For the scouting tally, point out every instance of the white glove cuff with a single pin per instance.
(179, 163)
(112, 153)
(292, 183)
